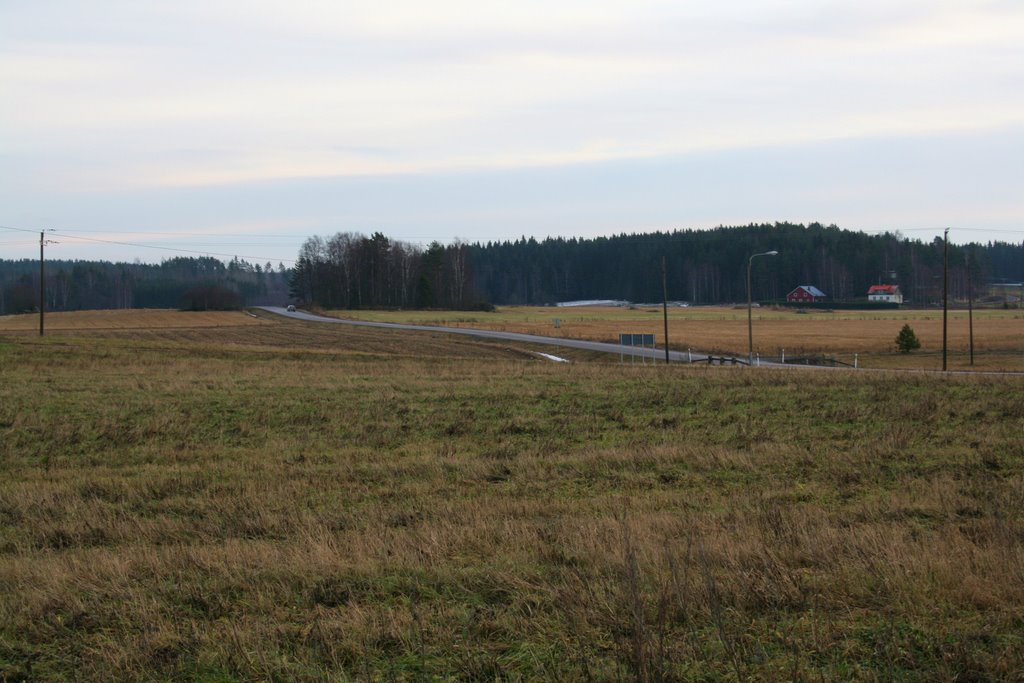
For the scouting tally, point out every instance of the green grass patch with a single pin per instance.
(178, 509)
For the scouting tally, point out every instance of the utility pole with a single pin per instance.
(42, 282)
(42, 278)
(664, 304)
(945, 294)
(970, 303)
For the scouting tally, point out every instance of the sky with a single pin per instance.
(144, 130)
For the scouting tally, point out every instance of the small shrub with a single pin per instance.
(906, 340)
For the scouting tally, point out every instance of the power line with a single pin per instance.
(174, 233)
(954, 228)
(199, 245)
(178, 233)
(183, 250)
(198, 250)
(159, 233)
(174, 249)
(154, 246)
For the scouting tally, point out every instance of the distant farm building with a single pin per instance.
(805, 294)
(1008, 293)
(592, 302)
(885, 293)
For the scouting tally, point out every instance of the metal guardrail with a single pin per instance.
(721, 360)
(818, 361)
(822, 361)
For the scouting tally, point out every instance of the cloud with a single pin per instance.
(118, 97)
(965, 180)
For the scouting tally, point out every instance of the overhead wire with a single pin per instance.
(174, 249)
(62, 233)
(197, 246)
(198, 250)
(950, 228)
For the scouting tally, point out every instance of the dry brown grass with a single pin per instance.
(998, 334)
(870, 336)
(131, 319)
(258, 334)
(176, 509)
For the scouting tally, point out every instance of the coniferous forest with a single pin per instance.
(710, 266)
(183, 282)
(702, 266)
(351, 270)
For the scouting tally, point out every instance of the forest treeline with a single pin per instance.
(182, 282)
(352, 270)
(710, 266)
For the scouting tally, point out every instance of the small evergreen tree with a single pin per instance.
(906, 340)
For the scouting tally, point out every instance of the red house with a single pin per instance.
(805, 294)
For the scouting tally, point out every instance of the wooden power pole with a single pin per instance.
(42, 282)
(42, 278)
(664, 304)
(970, 304)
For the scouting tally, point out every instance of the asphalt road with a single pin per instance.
(601, 347)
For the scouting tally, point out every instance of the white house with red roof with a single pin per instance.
(887, 293)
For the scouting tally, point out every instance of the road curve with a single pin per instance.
(601, 347)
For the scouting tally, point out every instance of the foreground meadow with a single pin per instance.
(868, 335)
(288, 502)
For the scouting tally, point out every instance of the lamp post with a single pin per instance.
(750, 304)
(970, 302)
(945, 294)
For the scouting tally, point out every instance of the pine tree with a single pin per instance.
(906, 340)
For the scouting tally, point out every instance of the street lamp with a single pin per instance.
(750, 303)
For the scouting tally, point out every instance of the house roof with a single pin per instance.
(812, 290)
(884, 289)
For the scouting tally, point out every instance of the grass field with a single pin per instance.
(139, 319)
(998, 334)
(276, 500)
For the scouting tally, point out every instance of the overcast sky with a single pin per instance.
(244, 126)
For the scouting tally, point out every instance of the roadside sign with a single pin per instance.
(636, 340)
(641, 340)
